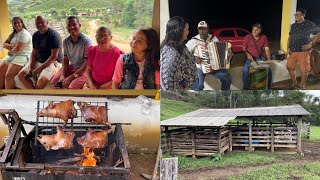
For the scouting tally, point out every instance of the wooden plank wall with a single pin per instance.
(195, 141)
(269, 137)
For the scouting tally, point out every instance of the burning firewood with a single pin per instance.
(69, 160)
(63, 110)
(61, 140)
(94, 114)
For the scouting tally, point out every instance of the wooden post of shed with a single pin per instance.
(193, 142)
(299, 134)
(272, 139)
(219, 139)
(230, 139)
(169, 168)
(168, 139)
(250, 135)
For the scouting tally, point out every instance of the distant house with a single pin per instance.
(83, 14)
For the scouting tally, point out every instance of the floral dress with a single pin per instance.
(178, 71)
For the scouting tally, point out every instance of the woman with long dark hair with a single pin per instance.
(140, 68)
(178, 70)
(19, 45)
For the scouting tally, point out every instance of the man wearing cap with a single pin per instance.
(254, 44)
(203, 39)
(300, 46)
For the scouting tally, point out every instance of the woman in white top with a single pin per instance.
(19, 45)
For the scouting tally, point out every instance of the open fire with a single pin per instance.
(89, 159)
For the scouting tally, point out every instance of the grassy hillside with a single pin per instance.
(171, 108)
(36, 5)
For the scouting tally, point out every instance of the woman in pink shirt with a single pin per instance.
(140, 68)
(102, 60)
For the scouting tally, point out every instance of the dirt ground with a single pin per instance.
(121, 44)
(141, 163)
(311, 152)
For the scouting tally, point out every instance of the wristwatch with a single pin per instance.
(75, 75)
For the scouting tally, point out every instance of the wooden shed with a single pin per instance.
(207, 132)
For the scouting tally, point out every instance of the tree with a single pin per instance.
(74, 11)
(54, 12)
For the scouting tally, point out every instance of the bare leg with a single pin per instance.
(26, 82)
(42, 82)
(3, 70)
(293, 78)
(12, 71)
(304, 77)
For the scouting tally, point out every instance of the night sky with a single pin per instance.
(231, 13)
(313, 9)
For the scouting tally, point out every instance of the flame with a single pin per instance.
(89, 160)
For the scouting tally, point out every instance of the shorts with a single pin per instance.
(301, 58)
(47, 72)
(17, 60)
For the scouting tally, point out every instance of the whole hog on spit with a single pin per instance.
(94, 139)
(61, 140)
(63, 110)
(94, 114)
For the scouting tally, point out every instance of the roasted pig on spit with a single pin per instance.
(94, 139)
(61, 140)
(94, 114)
(63, 110)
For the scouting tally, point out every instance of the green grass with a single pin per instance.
(123, 33)
(284, 171)
(314, 133)
(171, 108)
(235, 159)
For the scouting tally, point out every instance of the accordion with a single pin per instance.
(214, 55)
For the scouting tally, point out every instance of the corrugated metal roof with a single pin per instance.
(197, 121)
(220, 117)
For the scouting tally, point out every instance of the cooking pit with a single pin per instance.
(25, 156)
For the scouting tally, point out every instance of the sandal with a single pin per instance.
(294, 87)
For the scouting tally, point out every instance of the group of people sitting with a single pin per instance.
(181, 63)
(33, 60)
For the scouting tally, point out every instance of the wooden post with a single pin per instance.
(299, 134)
(230, 139)
(219, 139)
(169, 169)
(250, 135)
(193, 142)
(308, 130)
(272, 139)
(166, 128)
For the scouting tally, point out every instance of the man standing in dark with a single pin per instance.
(46, 51)
(300, 46)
